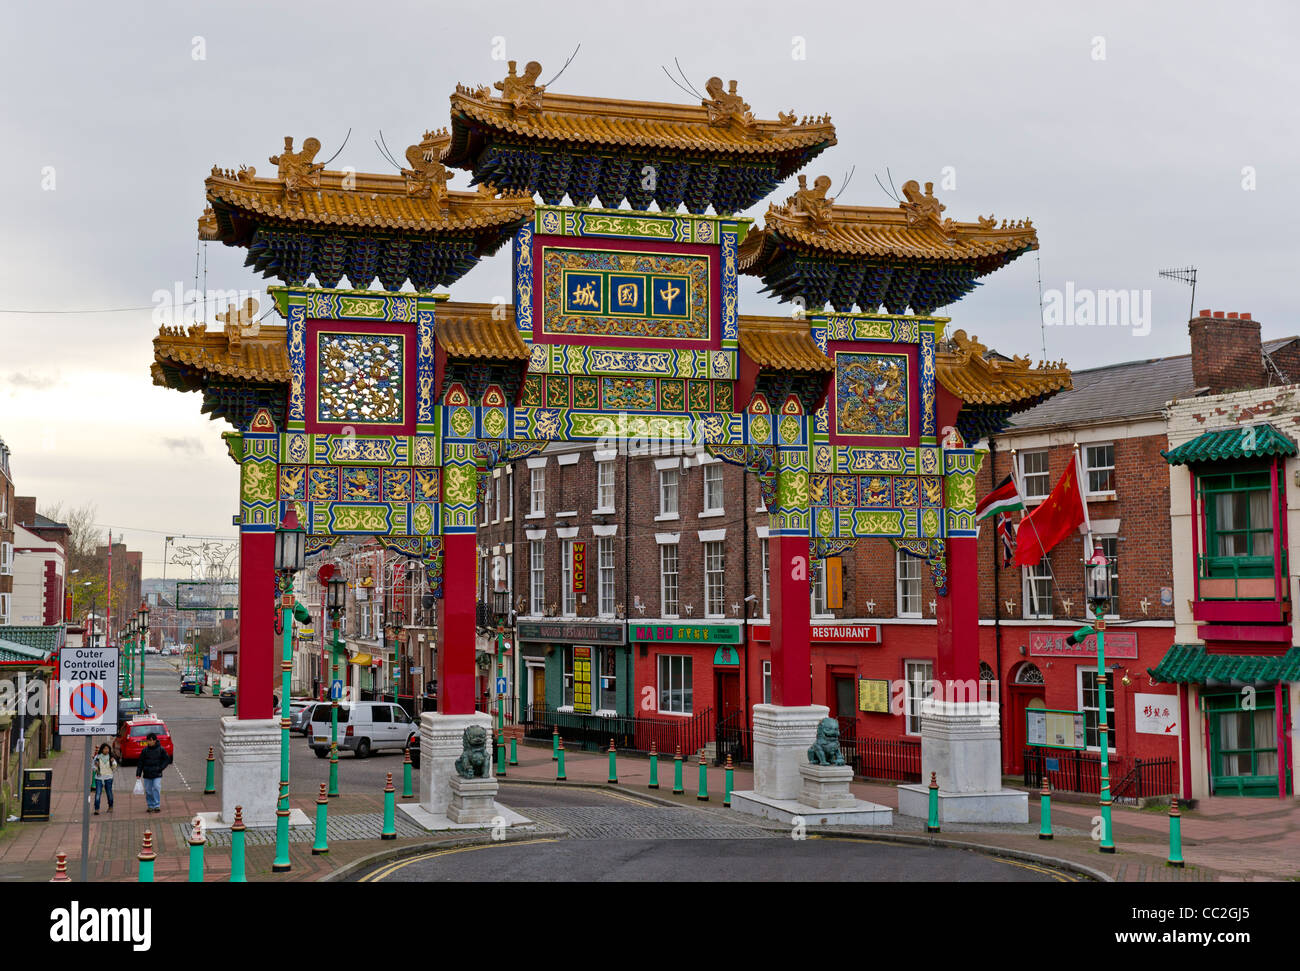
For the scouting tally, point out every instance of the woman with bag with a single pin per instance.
(105, 765)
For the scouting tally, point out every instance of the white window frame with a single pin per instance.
(817, 588)
(496, 497)
(6, 559)
(712, 475)
(537, 577)
(1029, 576)
(767, 682)
(6, 600)
(904, 566)
(670, 477)
(1088, 469)
(536, 493)
(912, 703)
(680, 671)
(510, 491)
(676, 574)
(1082, 671)
(716, 549)
(604, 489)
(568, 598)
(1033, 498)
(605, 575)
(767, 568)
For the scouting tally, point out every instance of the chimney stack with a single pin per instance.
(1227, 354)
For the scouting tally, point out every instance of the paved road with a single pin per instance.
(619, 837)
(195, 724)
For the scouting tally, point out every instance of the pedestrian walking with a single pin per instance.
(105, 765)
(149, 767)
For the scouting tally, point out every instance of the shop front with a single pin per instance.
(687, 669)
(577, 667)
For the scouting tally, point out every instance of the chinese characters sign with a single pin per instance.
(582, 680)
(1156, 714)
(873, 695)
(1051, 643)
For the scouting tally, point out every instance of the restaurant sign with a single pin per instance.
(570, 633)
(1051, 643)
(686, 633)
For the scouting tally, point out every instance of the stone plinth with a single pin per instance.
(960, 745)
(782, 737)
(826, 786)
(250, 769)
(472, 800)
(441, 742)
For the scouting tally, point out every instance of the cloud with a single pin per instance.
(186, 446)
(29, 381)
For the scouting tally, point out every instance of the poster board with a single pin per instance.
(1047, 728)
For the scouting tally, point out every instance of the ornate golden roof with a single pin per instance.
(964, 369)
(914, 229)
(782, 344)
(258, 355)
(722, 122)
(479, 330)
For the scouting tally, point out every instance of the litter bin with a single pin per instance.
(36, 794)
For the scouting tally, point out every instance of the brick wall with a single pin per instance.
(1226, 351)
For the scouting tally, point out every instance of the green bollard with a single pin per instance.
(322, 821)
(703, 794)
(197, 841)
(1175, 836)
(932, 824)
(654, 767)
(237, 837)
(407, 792)
(334, 770)
(555, 742)
(678, 789)
(726, 796)
(514, 754)
(501, 753)
(146, 857)
(390, 821)
(1045, 801)
(210, 786)
(559, 769)
(613, 765)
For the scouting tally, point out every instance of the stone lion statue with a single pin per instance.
(826, 750)
(474, 760)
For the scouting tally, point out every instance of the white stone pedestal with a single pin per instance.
(782, 738)
(250, 770)
(826, 786)
(472, 800)
(441, 742)
(959, 744)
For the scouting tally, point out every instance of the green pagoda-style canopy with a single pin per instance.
(1191, 664)
(1246, 441)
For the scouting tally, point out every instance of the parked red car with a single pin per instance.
(134, 733)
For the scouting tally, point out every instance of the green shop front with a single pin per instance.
(575, 668)
(1236, 713)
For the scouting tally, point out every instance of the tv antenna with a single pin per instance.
(1186, 274)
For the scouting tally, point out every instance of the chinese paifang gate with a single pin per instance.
(380, 411)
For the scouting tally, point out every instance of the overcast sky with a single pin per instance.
(1136, 136)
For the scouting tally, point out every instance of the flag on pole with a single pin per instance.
(1006, 530)
(1004, 498)
(1045, 527)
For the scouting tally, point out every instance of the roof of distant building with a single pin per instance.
(1131, 389)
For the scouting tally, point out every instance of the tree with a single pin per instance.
(84, 537)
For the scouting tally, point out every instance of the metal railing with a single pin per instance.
(593, 732)
(891, 759)
(1081, 772)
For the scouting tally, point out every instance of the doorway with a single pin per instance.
(1027, 690)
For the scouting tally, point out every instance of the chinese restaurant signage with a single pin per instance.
(580, 567)
(571, 633)
(686, 633)
(582, 680)
(1051, 643)
(873, 695)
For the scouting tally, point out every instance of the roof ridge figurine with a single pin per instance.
(297, 170)
(522, 92)
(919, 207)
(727, 106)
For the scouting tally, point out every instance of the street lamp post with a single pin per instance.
(1098, 591)
(501, 607)
(336, 586)
(290, 556)
(142, 620)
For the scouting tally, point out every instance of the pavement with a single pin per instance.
(1223, 839)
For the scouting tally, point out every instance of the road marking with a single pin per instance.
(392, 868)
(1054, 874)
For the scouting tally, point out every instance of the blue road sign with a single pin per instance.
(501, 686)
(1053, 765)
(336, 689)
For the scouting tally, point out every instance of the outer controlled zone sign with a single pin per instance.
(88, 690)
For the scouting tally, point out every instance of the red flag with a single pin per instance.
(1061, 512)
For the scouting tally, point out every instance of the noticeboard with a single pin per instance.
(873, 695)
(1046, 728)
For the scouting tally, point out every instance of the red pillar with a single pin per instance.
(1185, 739)
(257, 606)
(958, 653)
(456, 633)
(790, 608)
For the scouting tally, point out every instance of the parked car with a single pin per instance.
(364, 727)
(128, 708)
(188, 683)
(133, 734)
(300, 715)
(227, 697)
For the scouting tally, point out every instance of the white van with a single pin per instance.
(364, 727)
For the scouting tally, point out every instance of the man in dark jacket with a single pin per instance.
(153, 759)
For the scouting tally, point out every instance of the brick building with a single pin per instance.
(129, 565)
(40, 567)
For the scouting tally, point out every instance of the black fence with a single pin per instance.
(891, 759)
(593, 732)
(1081, 772)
